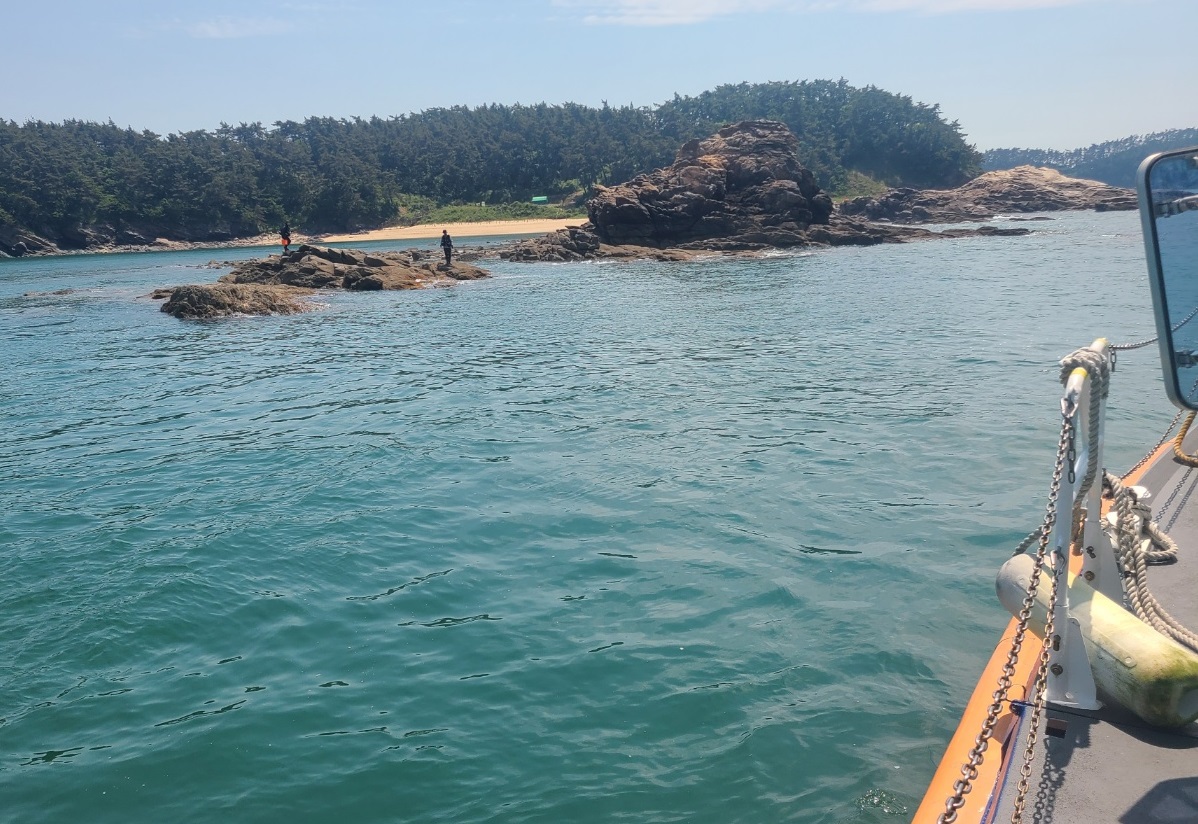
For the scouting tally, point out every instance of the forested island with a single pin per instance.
(1114, 162)
(81, 185)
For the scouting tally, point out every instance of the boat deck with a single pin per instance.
(1108, 765)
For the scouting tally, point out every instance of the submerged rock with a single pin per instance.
(1022, 189)
(217, 300)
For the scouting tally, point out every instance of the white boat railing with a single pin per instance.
(1070, 681)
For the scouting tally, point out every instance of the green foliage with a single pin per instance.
(1114, 162)
(327, 174)
(859, 185)
(413, 209)
(475, 213)
(840, 129)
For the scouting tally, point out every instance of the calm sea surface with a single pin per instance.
(643, 542)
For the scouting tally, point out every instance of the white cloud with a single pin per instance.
(663, 12)
(681, 12)
(949, 6)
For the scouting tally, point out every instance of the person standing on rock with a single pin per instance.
(446, 245)
(285, 233)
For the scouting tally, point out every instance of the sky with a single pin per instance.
(1052, 74)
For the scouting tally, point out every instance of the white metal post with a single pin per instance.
(1070, 681)
(1099, 566)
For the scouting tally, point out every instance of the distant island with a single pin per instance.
(744, 189)
(740, 191)
(1114, 162)
(80, 185)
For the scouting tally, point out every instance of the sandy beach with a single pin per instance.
(536, 226)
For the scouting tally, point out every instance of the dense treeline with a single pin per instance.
(66, 181)
(1114, 162)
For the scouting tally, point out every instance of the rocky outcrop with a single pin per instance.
(1022, 189)
(562, 246)
(277, 284)
(582, 243)
(216, 300)
(740, 191)
(317, 267)
(745, 181)
(18, 242)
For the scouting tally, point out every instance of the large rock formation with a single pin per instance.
(743, 182)
(742, 190)
(1019, 190)
(562, 246)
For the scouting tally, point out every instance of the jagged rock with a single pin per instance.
(1022, 189)
(746, 179)
(130, 237)
(318, 267)
(740, 191)
(17, 242)
(571, 243)
(273, 286)
(215, 300)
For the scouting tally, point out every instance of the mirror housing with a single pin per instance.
(1168, 190)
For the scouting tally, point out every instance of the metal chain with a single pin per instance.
(969, 771)
(1041, 693)
(1122, 347)
(1164, 438)
(1159, 444)
(1163, 508)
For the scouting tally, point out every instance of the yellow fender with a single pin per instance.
(1133, 664)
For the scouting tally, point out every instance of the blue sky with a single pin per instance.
(1033, 73)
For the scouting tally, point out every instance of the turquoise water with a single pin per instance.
(702, 542)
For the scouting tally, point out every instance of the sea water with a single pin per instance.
(623, 541)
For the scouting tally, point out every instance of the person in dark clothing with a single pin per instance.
(285, 233)
(446, 245)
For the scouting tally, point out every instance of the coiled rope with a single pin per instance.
(1138, 543)
(1178, 452)
(1098, 367)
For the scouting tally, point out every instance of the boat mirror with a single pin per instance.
(1168, 189)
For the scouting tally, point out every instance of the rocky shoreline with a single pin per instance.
(744, 191)
(740, 192)
(19, 243)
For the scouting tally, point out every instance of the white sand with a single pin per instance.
(535, 226)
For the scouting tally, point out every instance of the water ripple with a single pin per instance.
(668, 523)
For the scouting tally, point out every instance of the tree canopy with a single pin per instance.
(327, 174)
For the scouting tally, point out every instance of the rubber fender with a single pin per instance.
(1133, 664)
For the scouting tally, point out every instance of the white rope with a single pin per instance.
(1098, 367)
